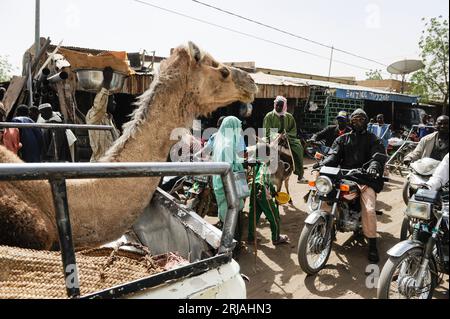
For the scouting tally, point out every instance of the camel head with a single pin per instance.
(209, 83)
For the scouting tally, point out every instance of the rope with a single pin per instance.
(290, 150)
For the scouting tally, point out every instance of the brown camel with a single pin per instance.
(190, 84)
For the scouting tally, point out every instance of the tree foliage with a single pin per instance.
(5, 69)
(432, 82)
(374, 75)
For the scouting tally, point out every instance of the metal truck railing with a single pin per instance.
(57, 173)
(57, 126)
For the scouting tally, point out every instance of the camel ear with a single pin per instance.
(195, 52)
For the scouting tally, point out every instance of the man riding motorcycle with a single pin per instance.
(332, 132)
(434, 145)
(351, 151)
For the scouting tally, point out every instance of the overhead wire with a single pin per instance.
(247, 34)
(288, 33)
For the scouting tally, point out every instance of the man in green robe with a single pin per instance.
(279, 121)
(262, 200)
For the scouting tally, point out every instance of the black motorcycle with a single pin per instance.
(413, 268)
(337, 188)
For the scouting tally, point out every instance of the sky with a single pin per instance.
(382, 30)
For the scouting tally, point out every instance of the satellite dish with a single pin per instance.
(405, 67)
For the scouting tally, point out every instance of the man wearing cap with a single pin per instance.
(332, 132)
(57, 143)
(280, 121)
(381, 129)
(47, 115)
(101, 114)
(352, 151)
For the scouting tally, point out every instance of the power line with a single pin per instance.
(289, 33)
(246, 34)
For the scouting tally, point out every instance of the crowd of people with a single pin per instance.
(351, 143)
(35, 145)
(348, 144)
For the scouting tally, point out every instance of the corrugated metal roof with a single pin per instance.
(356, 91)
(262, 78)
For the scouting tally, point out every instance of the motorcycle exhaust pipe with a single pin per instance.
(61, 76)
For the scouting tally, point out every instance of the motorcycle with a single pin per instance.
(200, 196)
(420, 172)
(414, 265)
(394, 144)
(335, 187)
(401, 140)
(313, 147)
(195, 192)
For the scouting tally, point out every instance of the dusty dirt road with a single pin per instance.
(275, 272)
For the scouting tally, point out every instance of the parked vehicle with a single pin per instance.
(164, 227)
(408, 116)
(335, 188)
(420, 172)
(413, 268)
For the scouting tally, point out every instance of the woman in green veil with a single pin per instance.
(228, 147)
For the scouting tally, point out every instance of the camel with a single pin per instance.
(190, 84)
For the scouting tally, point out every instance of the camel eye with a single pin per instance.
(214, 64)
(225, 72)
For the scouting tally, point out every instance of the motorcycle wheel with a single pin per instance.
(406, 193)
(311, 256)
(397, 276)
(406, 230)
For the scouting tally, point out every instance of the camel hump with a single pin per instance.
(23, 226)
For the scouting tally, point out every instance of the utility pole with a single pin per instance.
(331, 61)
(37, 21)
(37, 42)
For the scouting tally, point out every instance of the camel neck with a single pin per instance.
(147, 136)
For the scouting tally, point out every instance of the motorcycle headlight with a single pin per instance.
(324, 185)
(419, 210)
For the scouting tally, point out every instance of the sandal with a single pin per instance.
(282, 239)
